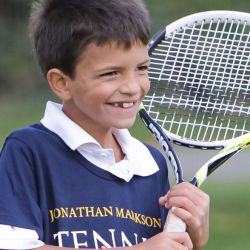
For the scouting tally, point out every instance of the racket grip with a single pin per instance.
(174, 224)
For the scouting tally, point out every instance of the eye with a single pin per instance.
(143, 68)
(109, 74)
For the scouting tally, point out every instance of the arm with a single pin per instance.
(162, 241)
(12, 240)
(192, 206)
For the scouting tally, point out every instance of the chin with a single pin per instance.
(125, 124)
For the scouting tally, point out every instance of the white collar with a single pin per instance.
(138, 159)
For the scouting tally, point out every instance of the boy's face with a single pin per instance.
(108, 86)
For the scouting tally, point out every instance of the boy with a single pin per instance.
(78, 179)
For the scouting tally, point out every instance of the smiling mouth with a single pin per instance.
(124, 105)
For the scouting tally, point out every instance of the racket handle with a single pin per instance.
(174, 224)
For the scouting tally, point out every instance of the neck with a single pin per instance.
(104, 136)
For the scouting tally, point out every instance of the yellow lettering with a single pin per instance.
(129, 215)
(77, 212)
(149, 221)
(137, 218)
(157, 222)
(99, 212)
(51, 215)
(65, 212)
(89, 211)
(108, 211)
(57, 213)
(120, 212)
(143, 219)
(80, 210)
(72, 213)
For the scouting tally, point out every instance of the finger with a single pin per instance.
(183, 239)
(182, 199)
(182, 202)
(186, 210)
(197, 196)
(183, 214)
(163, 199)
(186, 187)
(194, 218)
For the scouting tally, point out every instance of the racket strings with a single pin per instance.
(200, 79)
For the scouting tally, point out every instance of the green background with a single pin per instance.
(23, 94)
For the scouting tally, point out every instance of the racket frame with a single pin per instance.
(168, 31)
(228, 148)
(206, 17)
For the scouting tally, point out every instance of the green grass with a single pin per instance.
(18, 111)
(230, 201)
(230, 206)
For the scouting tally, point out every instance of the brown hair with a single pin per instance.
(61, 29)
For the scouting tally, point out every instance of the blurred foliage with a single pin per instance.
(23, 93)
(229, 220)
(163, 12)
(18, 69)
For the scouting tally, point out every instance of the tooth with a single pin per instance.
(127, 105)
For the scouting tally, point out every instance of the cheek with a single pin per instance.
(146, 85)
(99, 95)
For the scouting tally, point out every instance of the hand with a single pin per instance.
(167, 241)
(192, 206)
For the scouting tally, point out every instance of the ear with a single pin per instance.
(59, 83)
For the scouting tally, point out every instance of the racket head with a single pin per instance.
(199, 73)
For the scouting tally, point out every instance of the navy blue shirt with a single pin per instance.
(68, 201)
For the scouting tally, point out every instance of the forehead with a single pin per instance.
(114, 52)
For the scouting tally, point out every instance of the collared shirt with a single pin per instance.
(137, 161)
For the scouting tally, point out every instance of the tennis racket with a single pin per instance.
(200, 90)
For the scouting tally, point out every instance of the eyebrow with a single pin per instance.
(147, 61)
(144, 62)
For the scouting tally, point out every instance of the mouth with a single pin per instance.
(124, 105)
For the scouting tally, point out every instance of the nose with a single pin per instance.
(131, 84)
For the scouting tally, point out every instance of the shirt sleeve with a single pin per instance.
(18, 190)
(18, 238)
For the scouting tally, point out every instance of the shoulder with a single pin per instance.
(27, 131)
(31, 132)
(157, 155)
(29, 145)
(31, 136)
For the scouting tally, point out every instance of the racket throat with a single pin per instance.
(214, 165)
(164, 142)
(211, 166)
